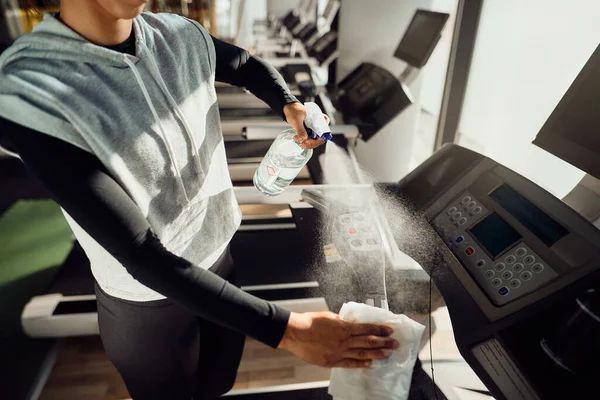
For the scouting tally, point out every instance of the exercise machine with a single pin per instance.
(370, 96)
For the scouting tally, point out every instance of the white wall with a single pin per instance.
(253, 10)
(370, 31)
(526, 56)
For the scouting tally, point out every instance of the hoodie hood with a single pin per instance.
(152, 120)
(51, 39)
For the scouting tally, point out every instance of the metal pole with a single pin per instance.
(459, 65)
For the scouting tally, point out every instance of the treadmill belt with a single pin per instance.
(271, 257)
(75, 275)
(303, 394)
(243, 149)
(229, 114)
(261, 257)
(229, 89)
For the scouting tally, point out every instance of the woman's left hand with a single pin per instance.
(295, 113)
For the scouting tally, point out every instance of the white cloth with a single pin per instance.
(386, 379)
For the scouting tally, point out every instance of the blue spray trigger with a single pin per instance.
(315, 124)
(326, 136)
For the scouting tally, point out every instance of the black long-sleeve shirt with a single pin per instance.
(80, 184)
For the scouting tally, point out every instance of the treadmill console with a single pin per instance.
(494, 253)
(291, 20)
(512, 263)
(324, 47)
(370, 97)
(359, 233)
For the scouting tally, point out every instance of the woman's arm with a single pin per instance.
(80, 184)
(237, 67)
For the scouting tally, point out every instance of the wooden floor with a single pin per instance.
(83, 371)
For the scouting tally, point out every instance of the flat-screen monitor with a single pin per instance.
(421, 37)
(572, 132)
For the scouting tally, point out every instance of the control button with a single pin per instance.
(537, 268)
(462, 221)
(471, 204)
(452, 210)
(357, 243)
(526, 275)
(480, 263)
(465, 200)
(515, 283)
(456, 216)
(489, 274)
(352, 231)
(496, 282)
(529, 259)
(510, 259)
(521, 251)
(499, 267)
(469, 251)
(518, 267)
(346, 219)
(359, 217)
(503, 291)
(506, 275)
(476, 210)
(371, 242)
(459, 239)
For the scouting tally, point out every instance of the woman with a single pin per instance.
(115, 111)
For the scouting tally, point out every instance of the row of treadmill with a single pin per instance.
(511, 261)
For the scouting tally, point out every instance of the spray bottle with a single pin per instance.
(285, 158)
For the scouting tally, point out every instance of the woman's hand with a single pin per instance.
(295, 113)
(326, 340)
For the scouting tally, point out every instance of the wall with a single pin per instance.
(526, 56)
(371, 31)
(279, 8)
(253, 10)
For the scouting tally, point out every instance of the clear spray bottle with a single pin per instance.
(285, 158)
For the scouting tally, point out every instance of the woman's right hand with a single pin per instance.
(325, 339)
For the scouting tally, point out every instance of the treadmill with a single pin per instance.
(319, 50)
(518, 268)
(370, 96)
(509, 259)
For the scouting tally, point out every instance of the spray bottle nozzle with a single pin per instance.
(315, 123)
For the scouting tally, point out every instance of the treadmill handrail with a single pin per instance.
(280, 62)
(249, 194)
(262, 132)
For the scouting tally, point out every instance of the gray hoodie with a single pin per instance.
(152, 119)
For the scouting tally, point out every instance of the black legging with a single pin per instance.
(163, 351)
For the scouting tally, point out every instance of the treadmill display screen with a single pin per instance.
(75, 307)
(324, 41)
(495, 234)
(421, 37)
(535, 220)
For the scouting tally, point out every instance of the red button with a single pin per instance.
(469, 251)
(352, 231)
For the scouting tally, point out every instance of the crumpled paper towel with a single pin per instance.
(386, 379)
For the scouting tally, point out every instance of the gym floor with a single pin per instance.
(83, 371)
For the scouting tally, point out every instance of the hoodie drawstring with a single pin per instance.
(140, 82)
(172, 101)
